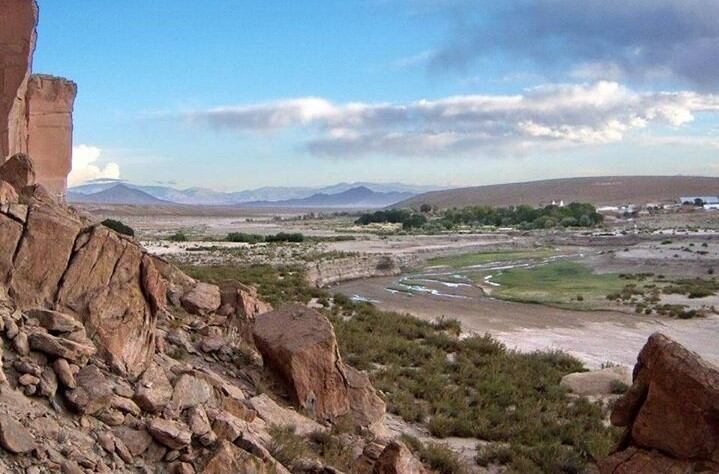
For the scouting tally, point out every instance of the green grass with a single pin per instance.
(471, 387)
(561, 283)
(469, 259)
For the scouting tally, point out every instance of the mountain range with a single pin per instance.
(387, 193)
(338, 196)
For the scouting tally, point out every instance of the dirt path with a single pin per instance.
(594, 337)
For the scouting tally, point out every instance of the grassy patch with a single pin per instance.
(561, 283)
(469, 259)
(475, 387)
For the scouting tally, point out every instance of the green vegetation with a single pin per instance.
(119, 227)
(285, 237)
(525, 217)
(287, 447)
(470, 259)
(471, 387)
(408, 219)
(178, 236)
(244, 238)
(558, 283)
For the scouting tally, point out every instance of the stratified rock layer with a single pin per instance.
(671, 413)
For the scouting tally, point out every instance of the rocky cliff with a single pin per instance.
(35, 110)
(329, 272)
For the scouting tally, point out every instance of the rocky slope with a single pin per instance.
(330, 272)
(115, 361)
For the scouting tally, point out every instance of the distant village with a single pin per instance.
(686, 203)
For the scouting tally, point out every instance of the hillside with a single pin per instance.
(359, 197)
(602, 190)
(118, 194)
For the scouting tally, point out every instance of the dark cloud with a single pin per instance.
(643, 39)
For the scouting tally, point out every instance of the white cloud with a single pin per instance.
(84, 167)
(547, 117)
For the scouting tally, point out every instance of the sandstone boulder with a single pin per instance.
(93, 393)
(103, 288)
(54, 321)
(300, 345)
(61, 347)
(10, 233)
(42, 255)
(18, 171)
(598, 382)
(153, 391)
(190, 392)
(229, 458)
(397, 459)
(670, 412)
(273, 414)
(8, 195)
(204, 298)
(14, 437)
(173, 434)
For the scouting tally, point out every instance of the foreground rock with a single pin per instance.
(300, 345)
(607, 381)
(397, 459)
(670, 413)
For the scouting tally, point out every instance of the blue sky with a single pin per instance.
(234, 95)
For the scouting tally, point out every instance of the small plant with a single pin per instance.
(119, 227)
(617, 387)
(287, 446)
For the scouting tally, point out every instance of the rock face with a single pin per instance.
(18, 20)
(49, 111)
(671, 413)
(329, 272)
(300, 345)
(35, 110)
(397, 459)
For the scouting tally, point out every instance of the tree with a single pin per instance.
(119, 227)
(698, 202)
(425, 208)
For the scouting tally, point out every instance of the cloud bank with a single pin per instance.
(546, 117)
(84, 168)
(604, 39)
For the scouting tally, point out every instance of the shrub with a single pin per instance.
(244, 238)
(287, 446)
(178, 236)
(119, 227)
(617, 387)
(285, 237)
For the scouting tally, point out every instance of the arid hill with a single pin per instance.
(601, 190)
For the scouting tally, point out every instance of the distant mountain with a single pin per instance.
(360, 197)
(204, 196)
(600, 191)
(117, 194)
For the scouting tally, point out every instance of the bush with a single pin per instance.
(119, 227)
(178, 236)
(244, 238)
(285, 237)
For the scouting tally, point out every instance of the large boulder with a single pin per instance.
(103, 288)
(18, 171)
(671, 413)
(10, 233)
(229, 458)
(204, 298)
(397, 459)
(299, 344)
(42, 255)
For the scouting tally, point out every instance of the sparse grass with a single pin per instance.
(557, 283)
(483, 390)
(287, 446)
(437, 456)
(470, 259)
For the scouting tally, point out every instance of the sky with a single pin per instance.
(233, 95)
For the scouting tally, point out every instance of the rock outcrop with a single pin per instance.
(18, 20)
(671, 413)
(299, 344)
(49, 105)
(35, 110)
(330, 272)
(598, 382)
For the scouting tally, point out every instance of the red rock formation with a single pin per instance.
(300, 345)
(671, 413)
(35, 110)
(49, 113)
(18, 20)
